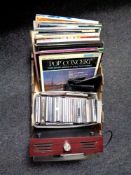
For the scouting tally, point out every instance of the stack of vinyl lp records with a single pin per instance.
(65, 48)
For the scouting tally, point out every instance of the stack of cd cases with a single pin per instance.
(65, 49)
(66, 108)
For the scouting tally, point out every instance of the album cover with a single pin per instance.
(73, 44)
(52, 18)
(56, 69)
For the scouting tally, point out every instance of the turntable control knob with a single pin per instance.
(67, 146)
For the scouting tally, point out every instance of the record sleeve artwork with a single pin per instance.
(67, 86)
